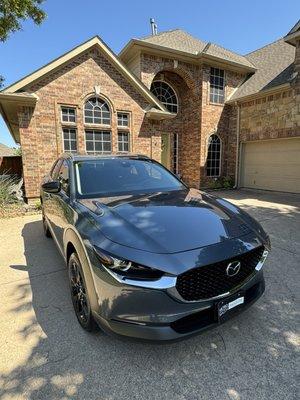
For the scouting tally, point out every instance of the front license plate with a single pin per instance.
(224, 307)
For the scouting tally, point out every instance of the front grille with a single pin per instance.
(212, 280)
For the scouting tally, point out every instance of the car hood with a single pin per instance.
(166, 222)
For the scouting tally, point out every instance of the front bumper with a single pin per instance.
(155, 315)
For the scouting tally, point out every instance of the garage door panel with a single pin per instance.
(272, 165)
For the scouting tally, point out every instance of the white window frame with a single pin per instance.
(220, 158)
(68, 128)
(222, 88)
(95, 152)
(68, 108)
(97, 123)
(128, 119)
(123, 142)
(164, 103)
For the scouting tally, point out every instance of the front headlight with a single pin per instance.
(127, 268)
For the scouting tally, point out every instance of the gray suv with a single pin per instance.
(147, 256)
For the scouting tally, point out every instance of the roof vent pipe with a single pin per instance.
(153, 26)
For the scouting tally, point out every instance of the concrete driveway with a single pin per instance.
(44, 354)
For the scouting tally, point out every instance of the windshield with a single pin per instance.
(116, 176)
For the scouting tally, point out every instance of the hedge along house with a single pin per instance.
(184, 102)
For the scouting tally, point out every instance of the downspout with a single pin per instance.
(236, 180)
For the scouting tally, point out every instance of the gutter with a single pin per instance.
(237, 154)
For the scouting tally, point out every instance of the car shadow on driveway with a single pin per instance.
(251, 356)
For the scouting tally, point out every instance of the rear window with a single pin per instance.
(115, 177)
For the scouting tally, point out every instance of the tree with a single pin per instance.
(17, 151)
(12, 12)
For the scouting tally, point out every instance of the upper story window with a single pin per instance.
(213, 162)
(96, 111)
(166, 95)
(68, 114)
(123, 120)
(217, 85)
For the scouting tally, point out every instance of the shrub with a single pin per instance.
(7, 189)
(38, 205)
(222, 183)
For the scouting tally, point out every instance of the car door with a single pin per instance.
(62, 213)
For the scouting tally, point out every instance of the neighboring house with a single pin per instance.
(10, 162)
(6, 151)
(203, 111)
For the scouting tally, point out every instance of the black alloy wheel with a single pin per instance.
(79, 294)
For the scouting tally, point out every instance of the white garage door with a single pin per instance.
(271, 164)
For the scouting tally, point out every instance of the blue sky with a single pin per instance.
(235, 24)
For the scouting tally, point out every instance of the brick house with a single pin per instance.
(205, 112)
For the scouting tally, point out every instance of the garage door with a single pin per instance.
(271, 164)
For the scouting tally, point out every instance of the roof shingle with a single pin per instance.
(274, 64)
(178, 39)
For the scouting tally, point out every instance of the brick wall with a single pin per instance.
(72, 84)
(216, 119)
(185, 79)
(197, 118)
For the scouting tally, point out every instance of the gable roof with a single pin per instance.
(94, 41)
(178, 40)
(293, 34)
(15, 95)
(274, 68)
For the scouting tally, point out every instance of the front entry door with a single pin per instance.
(165, 150)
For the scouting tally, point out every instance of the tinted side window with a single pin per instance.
(55, 169)
(63, 176)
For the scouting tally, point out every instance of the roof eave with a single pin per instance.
(134, 45)
(292, 38)
(208, 57)
(159, 115)
(256, 95)
(58, 62)
(9, 103)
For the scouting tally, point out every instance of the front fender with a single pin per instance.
(71, 235)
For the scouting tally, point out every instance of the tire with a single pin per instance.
(79, 295)
(46, 229)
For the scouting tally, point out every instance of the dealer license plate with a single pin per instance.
(224, 307)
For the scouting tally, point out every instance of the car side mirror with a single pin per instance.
(51, 187)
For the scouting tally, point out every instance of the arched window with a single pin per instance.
(213, 162)
(96, 111)
(165, 95)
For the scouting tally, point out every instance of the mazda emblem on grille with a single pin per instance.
(233, 268)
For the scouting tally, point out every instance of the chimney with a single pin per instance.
(153, 26)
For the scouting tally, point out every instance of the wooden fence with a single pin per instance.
(11, 165)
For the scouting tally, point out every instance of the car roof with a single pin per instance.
(87, 157)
